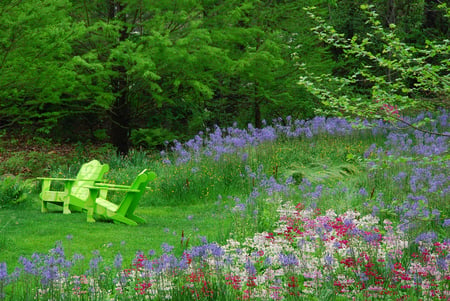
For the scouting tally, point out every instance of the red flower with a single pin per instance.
(292, 282)
(398, 266)
(349, 262)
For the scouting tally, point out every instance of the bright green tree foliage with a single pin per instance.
(168, 66)
(149, 71)
(390, 76)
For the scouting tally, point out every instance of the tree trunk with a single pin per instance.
(120, 111)
(258, 123)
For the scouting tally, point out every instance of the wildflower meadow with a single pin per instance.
(320, 209)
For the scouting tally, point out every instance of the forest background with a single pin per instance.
(141, 73)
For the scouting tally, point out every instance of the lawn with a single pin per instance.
(318, 209)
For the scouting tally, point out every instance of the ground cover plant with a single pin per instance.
(318, 209)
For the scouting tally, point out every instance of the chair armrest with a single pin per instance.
(57, 179)
(66, 179)
(112, 188)
(106, 185)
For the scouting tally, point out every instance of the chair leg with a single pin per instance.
(137, 219)
(44, 207)
(90, 215)
(66, 209)
(123, 219)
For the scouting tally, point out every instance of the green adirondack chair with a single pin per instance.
(101, 209)
(75, 193)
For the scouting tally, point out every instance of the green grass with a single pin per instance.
(25, 230)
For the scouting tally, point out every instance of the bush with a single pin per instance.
(13, 190)
(152, 138)
(29, 163)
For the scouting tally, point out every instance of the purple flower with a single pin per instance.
(375, 210)
(3, 272)
(400, 176)
(49, 274)
(348, 222)
(268, 261)
(306, 182)
(363, 277)
(337, 244)
(216, 250)
(118, 261)
(244, 157)
(446, 222)
(436, 213)
(93, 263)
(288, 259)
(198, 251)
(369, 151)
(425, 212)
(316, 193)
(77, 257)
(363, 192)
(203, 239)
(28, 265)
(427, 237)
(167, 248)
(442, 263)
(371, 237)
(250, 268)
(183, 264)
(329, 260)
(239, 207)
(58, 250)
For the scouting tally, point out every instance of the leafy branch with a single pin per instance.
(391, 77)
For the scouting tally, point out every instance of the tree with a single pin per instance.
(261, 40)
(35, 65)
(147, 57)
(396, 76)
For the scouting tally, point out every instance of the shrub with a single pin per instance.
(13, 190)
(152, 138)
(28, 163)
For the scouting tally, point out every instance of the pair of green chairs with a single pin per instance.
(87, 192)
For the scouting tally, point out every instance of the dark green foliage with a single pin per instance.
(35, 62)
(155, 138)
(71, 69)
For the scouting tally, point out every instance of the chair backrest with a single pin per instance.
(88, 174)
(131, 199)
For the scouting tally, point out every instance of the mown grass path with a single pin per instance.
(25, 231)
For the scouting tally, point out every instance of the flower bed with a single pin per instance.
(310, 255)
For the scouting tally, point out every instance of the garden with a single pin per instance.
(319, 209)
(301, 149)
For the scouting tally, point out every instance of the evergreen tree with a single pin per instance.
(36, 71)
